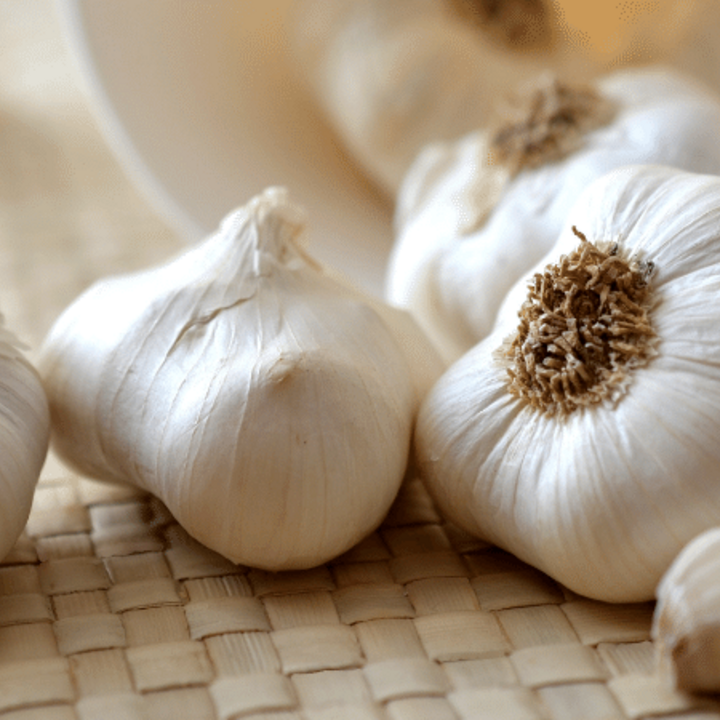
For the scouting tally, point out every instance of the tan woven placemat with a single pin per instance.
(109, 610)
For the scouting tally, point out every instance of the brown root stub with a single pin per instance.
(583, 328)
(549, 124)
(519, 24)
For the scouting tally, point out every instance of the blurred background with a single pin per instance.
(69, 212)
(67, 209)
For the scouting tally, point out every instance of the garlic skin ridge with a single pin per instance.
(24, 436)
(466, 229)
(267, 405)
(686, 620)
(604, 498)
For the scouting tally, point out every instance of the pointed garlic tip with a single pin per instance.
(686, 622)
(269, 406)
(24, 436)
(274, 223)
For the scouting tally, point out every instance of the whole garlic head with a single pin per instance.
(686, 621)
(581, 434)
(698, 53)
(473, 216)
(269, 406)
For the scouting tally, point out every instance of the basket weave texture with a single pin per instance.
(109, 610)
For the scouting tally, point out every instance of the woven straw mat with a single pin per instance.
(109, 610)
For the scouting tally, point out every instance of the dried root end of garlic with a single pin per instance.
(548, 122)
(584, 327)
(686, 623)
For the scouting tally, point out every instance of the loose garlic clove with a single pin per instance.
(267, 405)
(581, 435)
(24, 435)
(392, 77)
(686, 622)
(475, 215)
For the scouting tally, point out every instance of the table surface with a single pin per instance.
(108, 609)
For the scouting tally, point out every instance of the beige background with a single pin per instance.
(68, 213)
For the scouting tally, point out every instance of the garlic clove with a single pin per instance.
(24, 436)
(602, 485)
(686, 621)
(468, 227)
(269, 406)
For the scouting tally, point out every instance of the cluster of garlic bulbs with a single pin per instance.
(475, 214)
(561, 257)
(24, 435)
(268, 405)
(581, 433)
(686, 621)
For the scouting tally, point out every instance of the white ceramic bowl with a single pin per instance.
(199, 101)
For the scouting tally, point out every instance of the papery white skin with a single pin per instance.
(454, 279)
(267, 405)
(394, 76)
(686, 621)
(604, 499)
(24, 436)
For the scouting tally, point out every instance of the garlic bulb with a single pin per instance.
(686, 621)
(24, 434)
(581, 434)
(267, 405)
(476, 214)
(394, 76)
